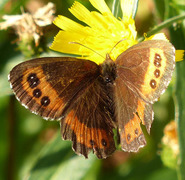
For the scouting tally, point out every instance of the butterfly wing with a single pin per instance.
(65, 89)
(143, 73)
(91, 122)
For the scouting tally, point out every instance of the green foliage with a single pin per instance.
(56, 160)
(177, 34)
(32, 148)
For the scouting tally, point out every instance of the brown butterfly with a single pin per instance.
(91, 100)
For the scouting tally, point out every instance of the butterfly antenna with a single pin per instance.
(87, 48)
(116, 45)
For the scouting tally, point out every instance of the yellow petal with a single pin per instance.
(159, 36)
(62, 43)
(68, 25)
(179, 55)
(101, 6)
(127, 7)
(84, 15)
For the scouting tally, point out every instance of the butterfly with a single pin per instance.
(91, 100)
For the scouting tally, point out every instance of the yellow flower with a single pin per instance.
(103, 33)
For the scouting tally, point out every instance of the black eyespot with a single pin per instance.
(157, 73)
(33, 80)
(128, 137)
(136, 131)
(153, 84)
(157, 63)
(37, 93)
(158, 57)
(157, 60)
(104, 142)
(45, 101)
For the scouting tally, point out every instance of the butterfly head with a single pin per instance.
(108, 70)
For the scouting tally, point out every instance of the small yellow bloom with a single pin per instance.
(159, 36)
(179, 54)
(101, 33)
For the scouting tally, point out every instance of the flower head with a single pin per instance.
(170, 145)
(101, 33)
(29, 26)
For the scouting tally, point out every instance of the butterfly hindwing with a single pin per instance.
(143, 73)
(131, 135)
(70, 90)
(89, 124)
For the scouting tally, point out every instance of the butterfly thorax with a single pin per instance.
(108, 70)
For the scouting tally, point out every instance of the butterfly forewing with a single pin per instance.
(147, 67)
(143, 73)
(46, 86)
(69, 89)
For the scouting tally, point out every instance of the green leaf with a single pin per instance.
(58, 161)
(116, 9)
(163, 173)
(76, 168)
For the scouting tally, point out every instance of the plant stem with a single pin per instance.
(178, 40)
(180, 116)
(164, 24)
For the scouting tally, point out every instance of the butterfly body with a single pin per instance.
(108, 70)
(91, 100)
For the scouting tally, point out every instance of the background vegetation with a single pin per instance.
(31, 148)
